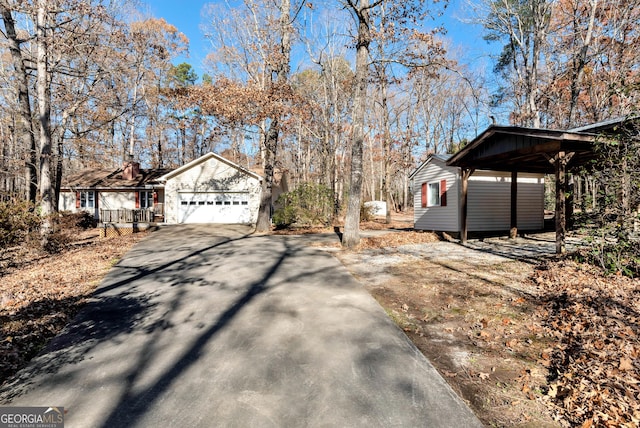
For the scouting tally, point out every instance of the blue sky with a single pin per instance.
(186, 16)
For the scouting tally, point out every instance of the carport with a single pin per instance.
(519, 149)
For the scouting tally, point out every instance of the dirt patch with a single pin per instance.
(470, 314)
(526, 338)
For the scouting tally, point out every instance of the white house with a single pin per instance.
(437, 189)
(210, 189)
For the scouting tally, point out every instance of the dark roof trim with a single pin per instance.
(112, 189)
(545, 134)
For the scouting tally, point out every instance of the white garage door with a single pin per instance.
(213, 208)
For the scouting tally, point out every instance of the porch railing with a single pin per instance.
(143, 215)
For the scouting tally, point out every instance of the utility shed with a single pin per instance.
(518, 151)
(437, 196)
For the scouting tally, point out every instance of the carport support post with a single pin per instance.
(513, 232)
(464, 174)
(561, 189)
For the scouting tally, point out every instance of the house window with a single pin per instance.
(146, 199)
(436, 193)
(87, 199)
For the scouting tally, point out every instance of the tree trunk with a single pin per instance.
(580, 61)
(351, 236)
(59, 171)
(25, 125)
(386, 147)
(281, 70)
(44, 119)
(270, 150)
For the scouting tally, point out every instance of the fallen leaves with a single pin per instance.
(395, 239)
(594, 321)
(40, 293)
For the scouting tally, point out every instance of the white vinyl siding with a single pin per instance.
(489, 200)
(118, 200)
(489, 206)
(436, 217)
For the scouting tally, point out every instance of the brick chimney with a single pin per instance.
(131, 170)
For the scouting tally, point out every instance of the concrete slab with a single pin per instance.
(208, 326)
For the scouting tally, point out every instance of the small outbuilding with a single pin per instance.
(437, 191)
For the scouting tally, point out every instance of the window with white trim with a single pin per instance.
(146, 199)
(434, 194)
(87, 199)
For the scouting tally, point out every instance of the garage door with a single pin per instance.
(213, 208)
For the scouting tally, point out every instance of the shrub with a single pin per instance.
(65, 226)
(18, 219)
(614, 243)
(366, 213)
(310, 204)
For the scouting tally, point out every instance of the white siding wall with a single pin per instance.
(489, 205)
(210, 176)
(67, 202)
(117, 200)
(530, 206)
(489, 200)
(437, 218)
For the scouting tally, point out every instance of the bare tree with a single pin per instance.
(20, 77)
(523, 27)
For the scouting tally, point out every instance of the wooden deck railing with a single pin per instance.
(145, 215)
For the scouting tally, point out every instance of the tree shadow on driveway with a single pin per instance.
(249, 330)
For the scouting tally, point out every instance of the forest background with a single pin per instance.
(375, 87)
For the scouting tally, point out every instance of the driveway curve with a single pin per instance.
(202, 326)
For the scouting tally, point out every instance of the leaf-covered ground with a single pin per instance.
(527, 344)
(594, 322)
(40, 293)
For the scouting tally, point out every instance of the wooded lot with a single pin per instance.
(349, 94)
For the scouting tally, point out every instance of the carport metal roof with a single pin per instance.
(512, 148)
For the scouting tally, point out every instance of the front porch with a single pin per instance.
(138, 215)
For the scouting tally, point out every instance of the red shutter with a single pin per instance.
(137, 200)
(155, 198)
(77, 200)
(424, 195)
(443, 193)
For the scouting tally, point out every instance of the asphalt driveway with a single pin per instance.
(210, 326)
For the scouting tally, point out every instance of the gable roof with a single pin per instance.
(442, 157)
(112, 179)
(203, 159)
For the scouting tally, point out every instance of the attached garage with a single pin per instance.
(212, 189)
(214, 207)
